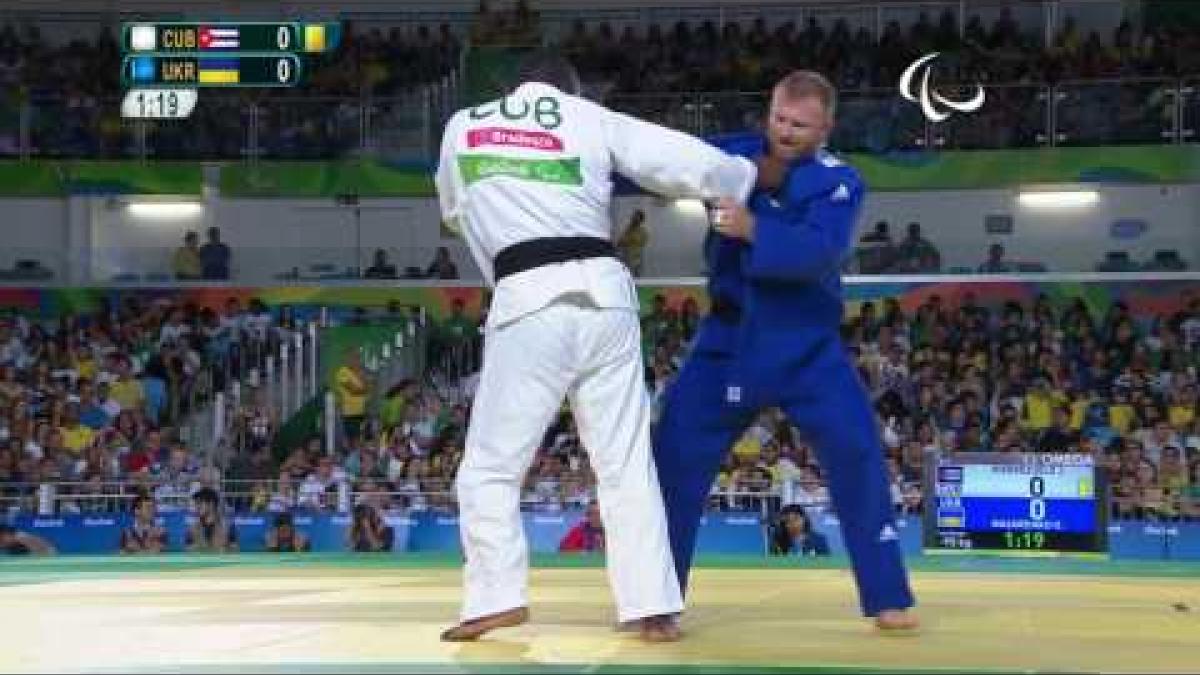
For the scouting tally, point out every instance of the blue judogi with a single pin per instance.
(772, 339)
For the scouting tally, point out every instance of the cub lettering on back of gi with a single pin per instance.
(546, 111)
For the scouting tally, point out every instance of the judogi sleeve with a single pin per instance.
(674, 164)
(452, 195)
(802, 245)
(447, 179)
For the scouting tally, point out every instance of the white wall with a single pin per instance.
(271, 237)
(279, 235)
(122, 243)
(34, 229)
(1064, 241)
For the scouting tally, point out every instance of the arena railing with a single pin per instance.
(340, 496)
(252, 496)
(230, 126)
(1110, 111)
(287, 376)
(1079, 112)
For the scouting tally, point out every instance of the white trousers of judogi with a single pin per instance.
(593, 357)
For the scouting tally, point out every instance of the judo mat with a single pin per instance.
(263, 613)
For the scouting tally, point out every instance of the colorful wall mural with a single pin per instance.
(1145, 297)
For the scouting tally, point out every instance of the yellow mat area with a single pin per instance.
(330, 618)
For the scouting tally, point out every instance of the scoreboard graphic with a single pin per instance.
(166, 63)
(1022, 504)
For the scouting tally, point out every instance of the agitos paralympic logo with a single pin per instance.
(929, 98)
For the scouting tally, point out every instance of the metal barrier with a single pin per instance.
(264, 375)
(431, 493)
(1080, 112)
(1112, 111)
(386, 364)
(338, 496)
(225, 126)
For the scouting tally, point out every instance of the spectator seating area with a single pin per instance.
(94, 402)
(747, 55)
(370, 82)
(106, 401)
(73, 88)
(1039, 377)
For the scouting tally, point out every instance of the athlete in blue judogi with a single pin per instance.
(772, 339)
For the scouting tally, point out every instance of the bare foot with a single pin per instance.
(475, 628)
(660, 628)
(897, 620)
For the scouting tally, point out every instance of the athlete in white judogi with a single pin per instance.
(527, 179)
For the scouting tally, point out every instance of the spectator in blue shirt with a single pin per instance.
(91, 413)
(995, 264)
(154, 386)
(214, 256)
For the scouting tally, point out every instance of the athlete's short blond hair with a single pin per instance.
(801, 84)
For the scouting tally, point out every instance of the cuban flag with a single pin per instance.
(219, 38)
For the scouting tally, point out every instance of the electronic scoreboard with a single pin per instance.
(1015, 504)
(165, 64)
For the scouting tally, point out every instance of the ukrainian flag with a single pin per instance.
(219, 71)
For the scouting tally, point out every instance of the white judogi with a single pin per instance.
(538, 164)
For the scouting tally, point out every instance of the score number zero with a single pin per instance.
(1037, 505)
(283, 67)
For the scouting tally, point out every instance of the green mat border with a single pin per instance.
(53, 568)
(546, 669)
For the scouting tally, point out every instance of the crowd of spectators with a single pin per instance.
(100, 398)
(75, 82)
(519, 25)
(750, 56)
(89, 401)
(74, 86)
(1043, 376)
(376, 60)
(1039, 376)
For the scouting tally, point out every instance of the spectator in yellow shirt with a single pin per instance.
(350, 388)
(1121, 413)
(1183, 407)
(632, 243)
(1039, 405)
(75, 436)
(749, 447)
(186, 261)
(1173, 471)
(127, 390)
(779, 467)
(1081, 401)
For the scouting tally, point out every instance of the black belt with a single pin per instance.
(549, 250)
(726, 310)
